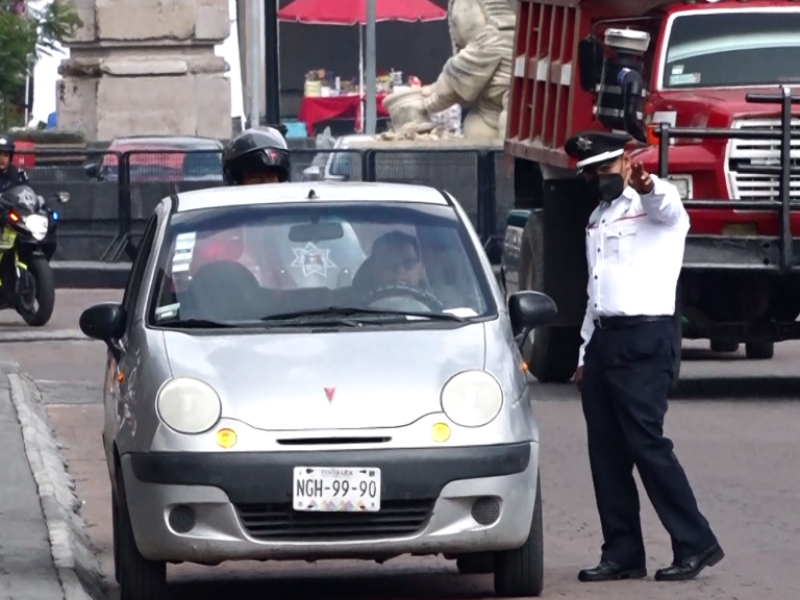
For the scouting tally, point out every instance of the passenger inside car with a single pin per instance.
(397, 259)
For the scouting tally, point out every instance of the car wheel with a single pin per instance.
(139, 578)
(520, 573)
(115, 533)
(481, 563)
(759, 350)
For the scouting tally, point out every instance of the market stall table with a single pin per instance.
(315, 109)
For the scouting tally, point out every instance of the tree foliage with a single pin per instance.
(26, 33)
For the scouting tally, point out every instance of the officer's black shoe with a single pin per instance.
(689, 568)
(610, 571)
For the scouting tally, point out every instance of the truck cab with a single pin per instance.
(705, 89)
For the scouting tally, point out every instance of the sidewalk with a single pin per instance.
(37, 539)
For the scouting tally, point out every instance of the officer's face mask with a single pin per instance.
(608, 187)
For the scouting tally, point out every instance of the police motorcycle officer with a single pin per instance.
(257, 156)
(10, 176)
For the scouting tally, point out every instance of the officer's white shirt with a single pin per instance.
(634, 249)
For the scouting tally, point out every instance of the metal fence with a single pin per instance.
(113, 193)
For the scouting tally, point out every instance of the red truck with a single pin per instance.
(705, 89)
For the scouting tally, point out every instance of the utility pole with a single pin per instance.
(272, 62)
(369, 66)
(254, 57)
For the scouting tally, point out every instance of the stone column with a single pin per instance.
(146, 67)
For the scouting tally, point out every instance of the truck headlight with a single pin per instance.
(685, 185)
(188, 405)
(472, 398)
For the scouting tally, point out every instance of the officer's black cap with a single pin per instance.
(594, 148)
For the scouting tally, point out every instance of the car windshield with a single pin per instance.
(360, 263)
(736, 48)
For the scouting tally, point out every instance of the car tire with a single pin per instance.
(759, 350)
(115, 533)
(481, 563)
(139, 578)
(722, 346)
(520, 573)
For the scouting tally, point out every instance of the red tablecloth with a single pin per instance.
(317, 108)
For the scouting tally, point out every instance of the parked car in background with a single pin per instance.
(162, 159)
(334, 166)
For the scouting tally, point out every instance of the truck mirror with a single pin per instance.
(590, 62)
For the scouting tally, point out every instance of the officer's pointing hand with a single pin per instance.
(640, 179)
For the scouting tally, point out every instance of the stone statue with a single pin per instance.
(478, 75)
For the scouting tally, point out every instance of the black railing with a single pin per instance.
(112, 199)
(783, 170)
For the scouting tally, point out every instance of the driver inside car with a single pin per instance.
(397, 260)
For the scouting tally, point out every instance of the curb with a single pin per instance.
(57, 335)
(76, 565)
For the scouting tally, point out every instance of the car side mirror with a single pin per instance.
(104, 322)
(528, 310)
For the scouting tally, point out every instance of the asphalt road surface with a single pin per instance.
(734, 427)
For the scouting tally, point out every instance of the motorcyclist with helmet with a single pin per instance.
(257, 156)
(10, 176)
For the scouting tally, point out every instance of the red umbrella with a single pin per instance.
(352, 12)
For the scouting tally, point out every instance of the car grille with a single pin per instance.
(279, 522)
(751, 187)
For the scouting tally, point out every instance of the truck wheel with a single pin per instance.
(677, 327)
(520, 573)
(722, 346)
(759, 350)
(139, 578)
(552, 356)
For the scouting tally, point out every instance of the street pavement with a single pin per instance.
(734, 426)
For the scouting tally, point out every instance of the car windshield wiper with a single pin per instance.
(198, 324)
(352, 315)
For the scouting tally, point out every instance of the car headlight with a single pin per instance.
(685, 185)
(188, 405)
(472, 398)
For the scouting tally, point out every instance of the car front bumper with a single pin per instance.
(242, 504)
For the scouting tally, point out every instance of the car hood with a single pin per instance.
(341, 380)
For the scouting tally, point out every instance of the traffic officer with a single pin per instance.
(10, 176)
(257, 156)
(634, 249)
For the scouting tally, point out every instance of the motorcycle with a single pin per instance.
(27, 244)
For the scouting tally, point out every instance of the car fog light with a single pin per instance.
(182, 519)
(440, 433)
(486, 510)
(226, 438)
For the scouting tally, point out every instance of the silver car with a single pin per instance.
(314, 371)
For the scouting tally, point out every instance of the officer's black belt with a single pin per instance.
(623, 322)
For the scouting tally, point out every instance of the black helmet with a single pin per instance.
(7, 145)
(256, 151)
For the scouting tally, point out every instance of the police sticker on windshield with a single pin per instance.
(685, 79)
(312, 260)
(184, 251)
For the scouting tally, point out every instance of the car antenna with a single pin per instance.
(312, 195)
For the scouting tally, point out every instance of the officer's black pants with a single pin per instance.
(626, 378)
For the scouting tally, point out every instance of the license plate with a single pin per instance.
(337, 489)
